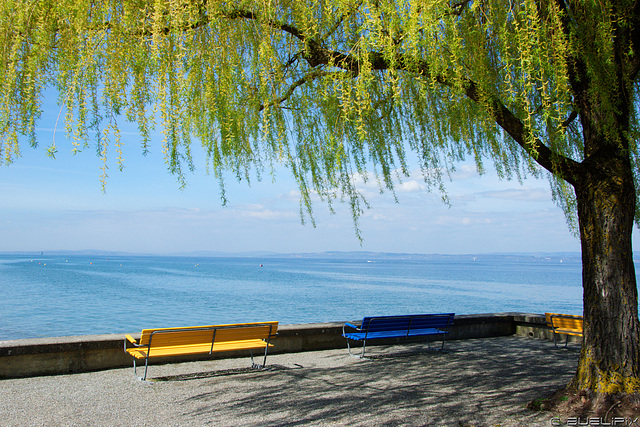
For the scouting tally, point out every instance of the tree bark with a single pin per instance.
(610, 360)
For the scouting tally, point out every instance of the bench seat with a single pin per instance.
(405, 326)
(171, 342)
(202, 348)
(566, 324)
(575, 332)
(361, 336)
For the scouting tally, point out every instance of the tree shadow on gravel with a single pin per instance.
(473, 383)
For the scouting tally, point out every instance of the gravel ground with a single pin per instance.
(473, 383)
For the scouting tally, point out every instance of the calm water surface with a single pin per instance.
(79, 295)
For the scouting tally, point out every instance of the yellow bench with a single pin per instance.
(567, 324)
(167, 342)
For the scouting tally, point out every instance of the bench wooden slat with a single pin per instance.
(203, 348)
(206, 336)
(574, 332)
(165, 342)
(567, 324)
(360, 336)
(406, 326)
(195, 334)
(393, 323)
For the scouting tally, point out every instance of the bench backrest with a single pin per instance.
(162, 337)
(407, 322)
(564, 321)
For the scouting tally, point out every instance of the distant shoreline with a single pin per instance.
(346, 255)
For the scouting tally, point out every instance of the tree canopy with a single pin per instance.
(330, 89)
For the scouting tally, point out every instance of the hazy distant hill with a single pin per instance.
(361, 255)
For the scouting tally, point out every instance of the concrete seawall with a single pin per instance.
(53, 356)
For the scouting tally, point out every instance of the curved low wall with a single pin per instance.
(52, 356)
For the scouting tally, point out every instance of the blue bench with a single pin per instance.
(408, 326)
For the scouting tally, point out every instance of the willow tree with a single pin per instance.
(345, 88)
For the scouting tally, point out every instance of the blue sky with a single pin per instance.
(59, 205)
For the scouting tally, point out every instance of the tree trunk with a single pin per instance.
(610, 359)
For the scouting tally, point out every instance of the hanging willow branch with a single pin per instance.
(306, 83)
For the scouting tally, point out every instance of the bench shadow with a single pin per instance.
(220, 373)
(399, 354)
(473, 382)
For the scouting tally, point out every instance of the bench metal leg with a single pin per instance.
(135, 369)
(253, 364)
(266, 350)
(264, 361)
(135, 372)
(349, 348)
(444, 337)
(555, 342)
(364, 344)
(146, 366)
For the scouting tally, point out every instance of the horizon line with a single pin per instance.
(207, 253)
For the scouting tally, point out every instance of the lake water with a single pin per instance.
(79, 295)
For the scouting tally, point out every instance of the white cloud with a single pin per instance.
(465, 171)
(466, 219)
(522, 193)
(269, 214)
(261, 212)
(412, 186)
(291, 195)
